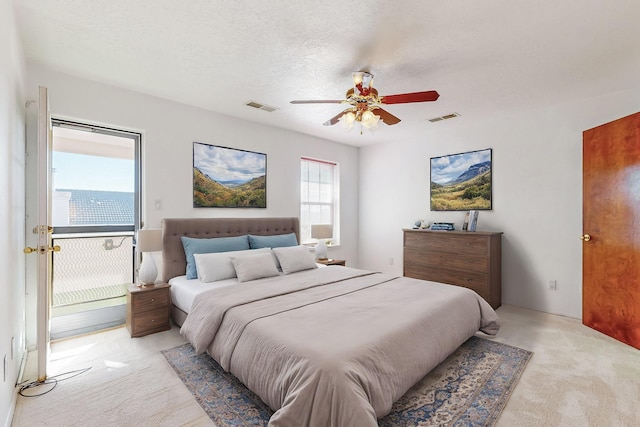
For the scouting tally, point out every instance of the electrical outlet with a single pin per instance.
(158, 204)
(391, 261)
(551, 284)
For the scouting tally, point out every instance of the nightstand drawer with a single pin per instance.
(150, 321)
(150, 300)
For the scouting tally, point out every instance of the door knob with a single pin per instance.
(585, 237)
(29, 250)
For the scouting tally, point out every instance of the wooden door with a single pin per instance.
(611, 218)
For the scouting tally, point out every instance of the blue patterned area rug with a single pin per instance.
(470, 388)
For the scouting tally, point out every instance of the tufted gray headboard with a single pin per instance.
(174, 262)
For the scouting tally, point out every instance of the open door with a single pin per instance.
(611, 227)
(38, 232)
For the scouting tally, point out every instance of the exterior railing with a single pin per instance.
(91, 267)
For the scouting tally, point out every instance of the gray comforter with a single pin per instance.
(334, 346)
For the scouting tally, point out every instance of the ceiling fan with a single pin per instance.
(365, 103)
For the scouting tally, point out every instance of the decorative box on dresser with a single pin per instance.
(148, 309)
(462, 258)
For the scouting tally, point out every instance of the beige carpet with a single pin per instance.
(576, 377)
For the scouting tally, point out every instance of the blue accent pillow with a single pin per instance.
(275, 241)
(206, 246)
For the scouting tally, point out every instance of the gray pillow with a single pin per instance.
(251, 267)
(218, 266)
(295, 258)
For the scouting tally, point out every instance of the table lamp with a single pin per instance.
(321, 232)
(149, 240)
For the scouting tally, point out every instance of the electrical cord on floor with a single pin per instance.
(52, 382)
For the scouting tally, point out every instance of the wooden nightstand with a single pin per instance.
(332, 262)
(148, 309)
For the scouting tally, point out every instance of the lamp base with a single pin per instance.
(321, 250)
(148, 271)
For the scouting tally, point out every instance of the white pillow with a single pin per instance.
(251, 267)
(295, 258)
(217, 266)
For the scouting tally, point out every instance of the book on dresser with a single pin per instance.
(473, 220)
(471, 260)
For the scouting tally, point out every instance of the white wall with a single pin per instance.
(12, 197)
(537, 195)
(537, 183)
(169, 130)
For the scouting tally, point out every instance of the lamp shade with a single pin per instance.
(149, 240)
(322, 231)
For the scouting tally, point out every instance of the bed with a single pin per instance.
(333, 346)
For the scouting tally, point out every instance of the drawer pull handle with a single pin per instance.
(152, 300)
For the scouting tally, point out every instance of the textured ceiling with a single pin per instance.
(485, 58)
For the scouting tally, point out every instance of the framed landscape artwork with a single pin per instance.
(226, 177)
(461, 182)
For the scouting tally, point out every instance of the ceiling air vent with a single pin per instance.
(445, 117)
(260, 106)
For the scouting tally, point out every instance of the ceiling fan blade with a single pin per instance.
(387, 117)
(335, 119)
(327, 101)
(403, 98)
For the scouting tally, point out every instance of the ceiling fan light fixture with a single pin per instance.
(348, 119)
(357, 78)
(369, 120)
(364, 102)
(362, 83)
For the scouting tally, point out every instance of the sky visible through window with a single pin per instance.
(73, 171)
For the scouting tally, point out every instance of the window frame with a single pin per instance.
(334, 204)
(136, 138)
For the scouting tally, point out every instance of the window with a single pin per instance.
(319, 197)
(94, 178)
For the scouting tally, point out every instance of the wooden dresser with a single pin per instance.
(469, 259)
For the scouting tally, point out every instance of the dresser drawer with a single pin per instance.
(150, 300)
(477, 282)
(453, 244)
(449, 260)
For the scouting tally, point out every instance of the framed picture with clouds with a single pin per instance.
(225, 177)
(461, 182)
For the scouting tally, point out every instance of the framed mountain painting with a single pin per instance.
(461, 182)
(226, 177)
